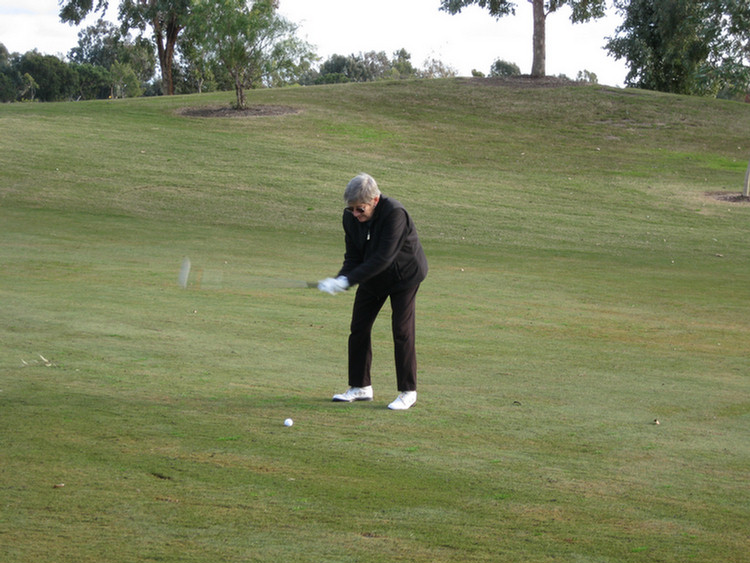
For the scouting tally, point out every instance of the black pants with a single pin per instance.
(367, 305)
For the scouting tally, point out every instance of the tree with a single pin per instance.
(434, 68)
(98, 45)
(661, 41)
(28, 86)
(727, 70)
(582, 11)
(375, 66)
(9, 78)
(290, 60)
(124, 82)
(684, 46)
(252, 42)
(94, 82)
(166, 18)
(402, 66)
(335, 70)
(8, 89)
(52, 79)
(587, 77)
(4, 56)
(504, 68)
(104, 44)
(196, 68)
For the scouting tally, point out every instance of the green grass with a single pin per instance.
(582, 285)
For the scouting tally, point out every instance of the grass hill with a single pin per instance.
(589, 277)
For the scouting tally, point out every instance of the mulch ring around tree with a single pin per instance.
(731, 197)
(520, 81)
(230, 112)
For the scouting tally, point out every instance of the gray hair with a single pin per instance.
(361, 189)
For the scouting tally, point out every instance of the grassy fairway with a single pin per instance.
(582, 285)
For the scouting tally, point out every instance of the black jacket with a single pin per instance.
(384, 254)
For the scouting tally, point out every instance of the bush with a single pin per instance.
(504, 68)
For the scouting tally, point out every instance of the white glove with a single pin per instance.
(326, 285)
(334, 285)
(341, 283)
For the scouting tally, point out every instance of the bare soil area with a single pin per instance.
(731, 197)
(230, 112)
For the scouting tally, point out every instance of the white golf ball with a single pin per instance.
(288, 422)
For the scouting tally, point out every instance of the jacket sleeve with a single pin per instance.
(353, 256)
(387, 243)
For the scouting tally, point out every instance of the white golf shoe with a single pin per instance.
(404, 401)
(354, 394)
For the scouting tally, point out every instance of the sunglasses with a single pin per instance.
(357, 208)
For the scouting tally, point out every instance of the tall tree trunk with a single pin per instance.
(539, 64)
(173, 30)
(166, 82)
(165, 46)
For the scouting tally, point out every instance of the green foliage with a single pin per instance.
(9, 78)
(366, 67)
(125, 83)
(434, 68)
(664, 44)
(28, 87)
(401, 64)
(497, 8)
(165, 19)
(289, 60)
(504, 68)
(8, 87)
(728, 67)
(587, 77)
(253, 43)
(99, 45)
(4, 57)
(104, 44)
(94, 82)
(683, 46)
(51, 79)
(196, 70)
(75, 11)
(582, 10)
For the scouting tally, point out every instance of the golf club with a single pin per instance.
(220, 279)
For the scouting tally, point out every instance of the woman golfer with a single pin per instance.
(385, 258)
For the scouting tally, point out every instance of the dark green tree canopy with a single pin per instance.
(75, 11)
(684, 46)
(54, 80)
(370, 66)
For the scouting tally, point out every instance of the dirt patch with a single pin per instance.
(233, 113)
(522, 81)
(731, 197)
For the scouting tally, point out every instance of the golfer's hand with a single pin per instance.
(334, 285)
(327, 285)
(341, 284)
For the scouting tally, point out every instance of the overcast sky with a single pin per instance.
(470, 40)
